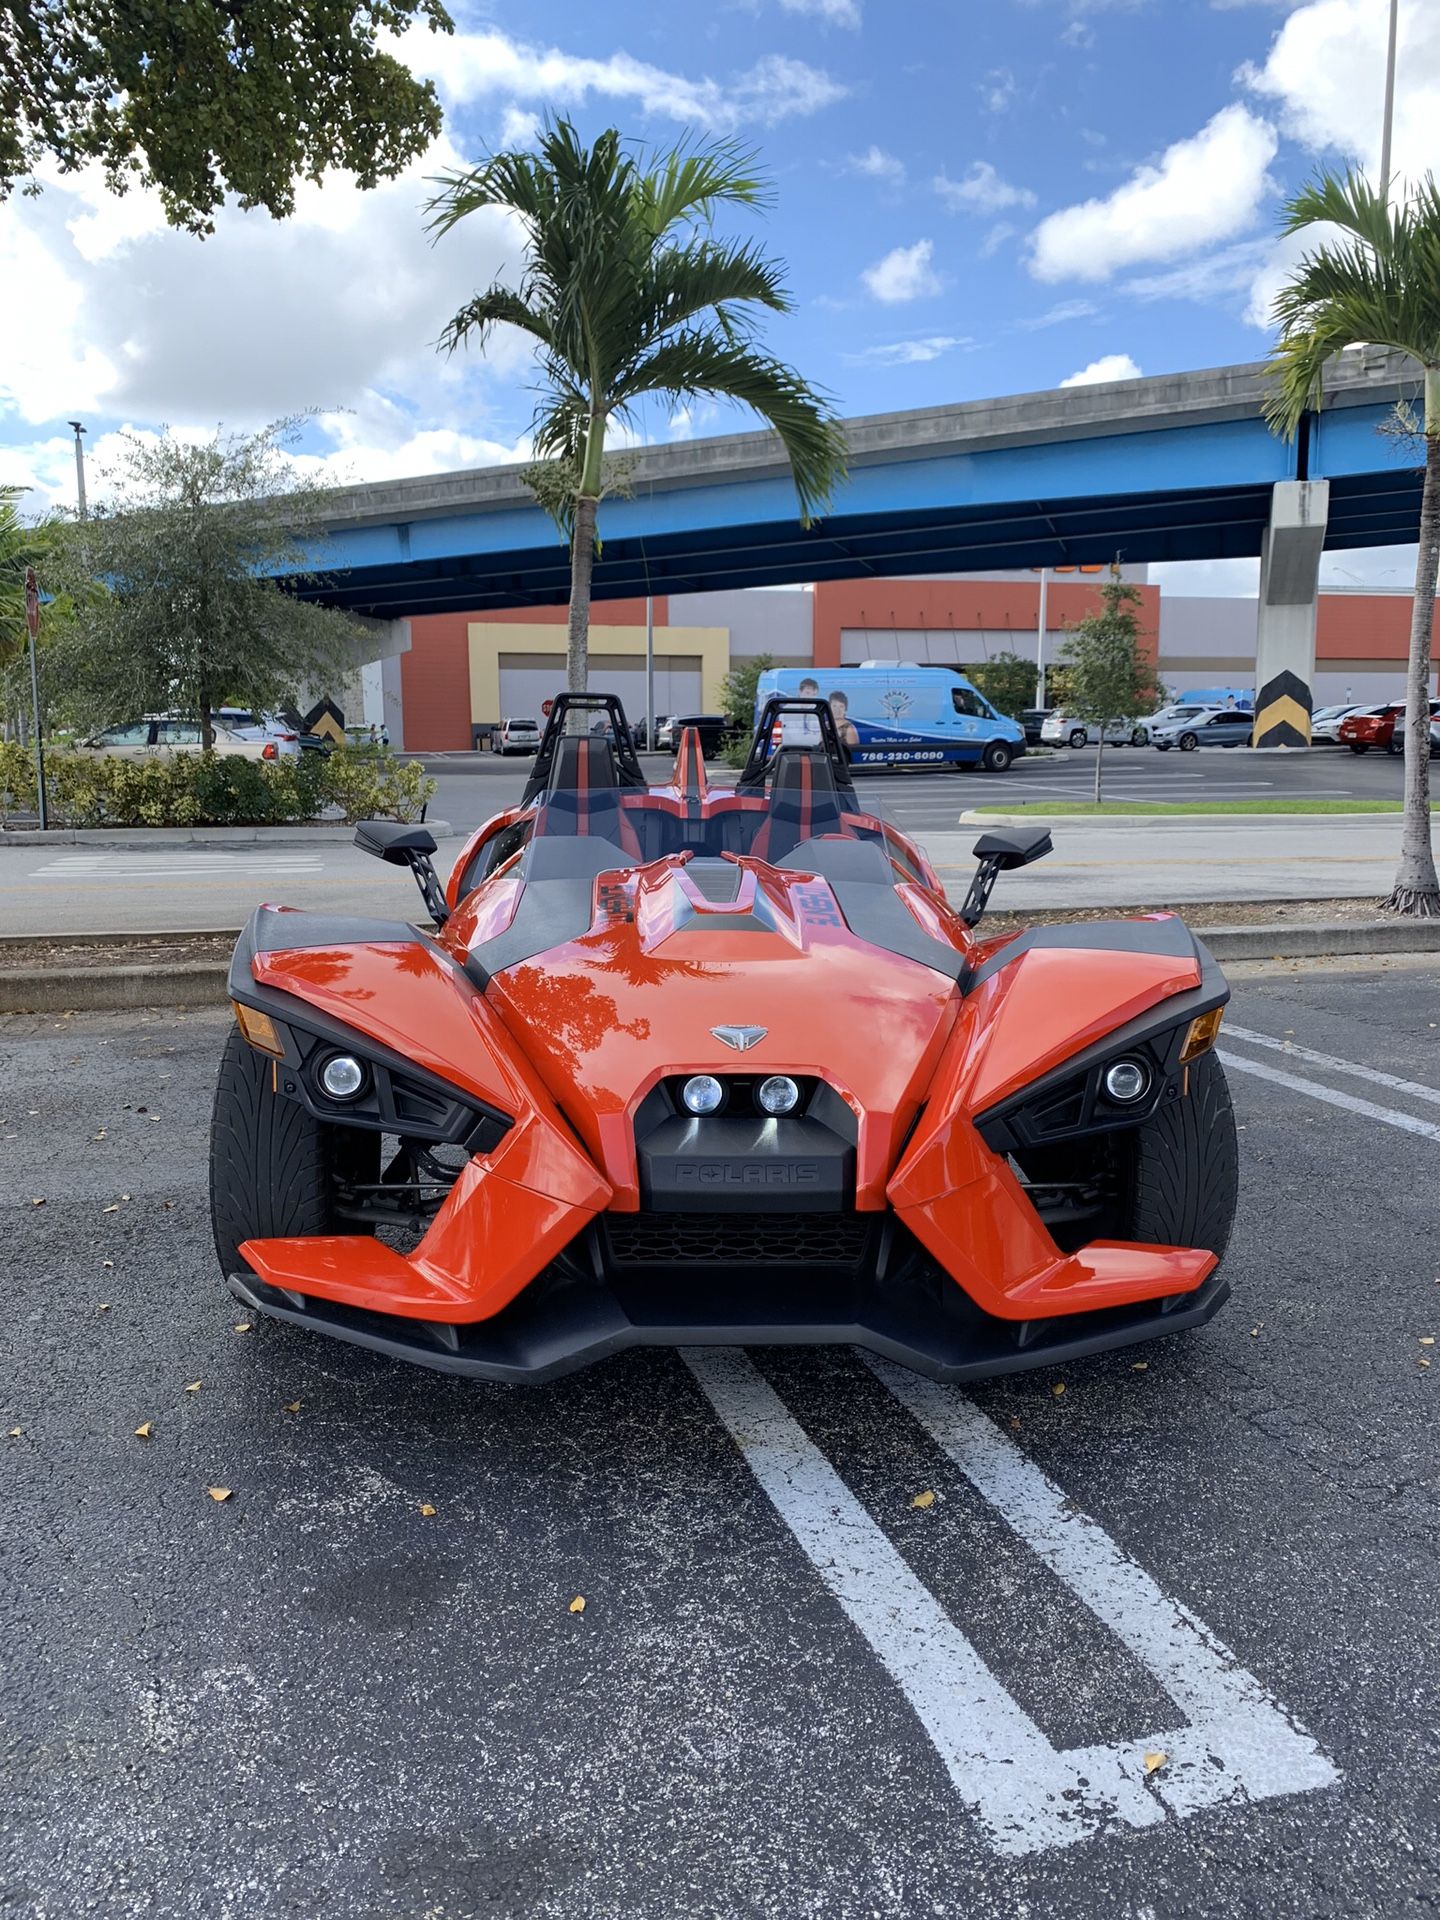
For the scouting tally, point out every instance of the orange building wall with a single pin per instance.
(964, 605)
(1365, 626)
(435, 672)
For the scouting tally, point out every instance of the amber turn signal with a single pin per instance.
(1204, 1030)
(259, 1029)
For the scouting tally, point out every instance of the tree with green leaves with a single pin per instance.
(629, 295)
(211, 98)
(189, 538)
(1110, 675)
(1377, 281)
(1007, 680)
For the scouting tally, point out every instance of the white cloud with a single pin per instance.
(519, 129)
(468, 67)
(995, 238)
(1110, 366)
(998, 89)
(1059, 315)
(1326, 69)
(876, 164)
(982, 190)
(835, 13)
(908, 353)
(1201, 190)
(904, 274)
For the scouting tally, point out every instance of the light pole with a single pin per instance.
(649, 674)
(1040, 640)
(32, 633)
(77, 429)
(1388, 126)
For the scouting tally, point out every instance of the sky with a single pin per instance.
(972, 198)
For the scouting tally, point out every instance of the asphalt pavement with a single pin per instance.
(85, 889)
(792, 1691)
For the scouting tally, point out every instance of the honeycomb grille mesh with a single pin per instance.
(737, 1239)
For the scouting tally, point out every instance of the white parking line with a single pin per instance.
(1334, 1065)
(1026, 1795)
(1387, 1116)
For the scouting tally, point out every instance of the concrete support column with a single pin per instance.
(1285, 641)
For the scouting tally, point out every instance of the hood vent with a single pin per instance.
(717, 881)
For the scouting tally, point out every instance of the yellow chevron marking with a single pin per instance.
(1276, 714)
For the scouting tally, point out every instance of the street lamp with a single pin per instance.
(77, 430)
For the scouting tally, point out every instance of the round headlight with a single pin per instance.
(702, 1093)
(1126, 1080)
(342, 1076)
(778, 1094)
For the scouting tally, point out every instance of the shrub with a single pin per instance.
(221, 790)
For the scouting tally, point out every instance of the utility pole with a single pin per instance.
(649, 673)
(77, 429)
(32, 629)
(1389, 122)
(1040, 640)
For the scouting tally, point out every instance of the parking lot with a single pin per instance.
(792, 1690)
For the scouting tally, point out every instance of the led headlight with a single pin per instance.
(1127, 1080)
(702, 1093)
(342, 1076)
(778, 1094)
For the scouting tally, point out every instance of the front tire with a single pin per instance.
(1137, 737)
(274, 1168)
(1185, 1175)
(1078, 736)
(997, 756)
(1188, 743)
(1359, 746)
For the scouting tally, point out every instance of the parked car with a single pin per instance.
(1060, 730)
(515, 736)
(1032, 719)
(165, 733)
(1325, 723)
(247, 724)
(1379, 727)
(1209, 727)
(715, 730)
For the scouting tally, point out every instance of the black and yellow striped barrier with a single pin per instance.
(1282, 713)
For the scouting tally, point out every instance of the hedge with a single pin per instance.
(213, 790)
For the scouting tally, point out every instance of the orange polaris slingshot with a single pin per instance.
(684, 1064)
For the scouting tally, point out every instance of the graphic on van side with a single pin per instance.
(911, 716)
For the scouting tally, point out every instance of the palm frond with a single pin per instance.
(496, 307)
(690, 182)
(699, 362)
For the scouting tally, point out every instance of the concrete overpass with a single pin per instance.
(1180, 467)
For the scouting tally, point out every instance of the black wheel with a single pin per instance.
(1395, 744)
(274, 1168)
(1359, 746)
(1183, 1167)
(1162, 746)
(1078, 736)
(997, 756)
(1188, 743)
(1137, 737)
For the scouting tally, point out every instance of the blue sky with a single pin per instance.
(972, 199)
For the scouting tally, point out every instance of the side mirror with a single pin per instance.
(411, 847)
(997, 852)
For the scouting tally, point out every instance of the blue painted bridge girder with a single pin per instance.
(1179, 468)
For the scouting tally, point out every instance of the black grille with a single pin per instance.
(715, 880)
(738, 1239)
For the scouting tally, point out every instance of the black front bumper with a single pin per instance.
(648, 1285)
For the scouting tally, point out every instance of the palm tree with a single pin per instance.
(628, 293)
(1377, 282)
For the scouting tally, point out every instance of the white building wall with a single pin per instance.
(776, 620)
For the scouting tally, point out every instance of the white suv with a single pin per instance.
(515, 736)
(246, 724)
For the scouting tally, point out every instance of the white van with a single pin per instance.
(888, 715)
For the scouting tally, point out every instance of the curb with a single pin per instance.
(974, 817)
(158, 839)
(201, 983)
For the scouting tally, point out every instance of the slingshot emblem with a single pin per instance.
(740, 1038)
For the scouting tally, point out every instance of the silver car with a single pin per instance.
(1060, 730)
(1196, 727)
(161, 734)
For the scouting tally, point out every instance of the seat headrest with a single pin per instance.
(583, 765)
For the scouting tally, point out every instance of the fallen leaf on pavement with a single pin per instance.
(1058, 1388)
(194, 1387)
(242, 1326)
(107, 1263)
(428, 1511)
(15, 1432)
(38, 1203)
(142, 1432)
(1139, 1366)
(292, 1406)
(926, 1499)
(577, 1605)
(1427, 1339)
(1154, 1761)
(114, 1206)
(104, 1307)
(218, 1493)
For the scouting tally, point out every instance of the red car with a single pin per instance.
(1378, 727)
(683, 1064)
